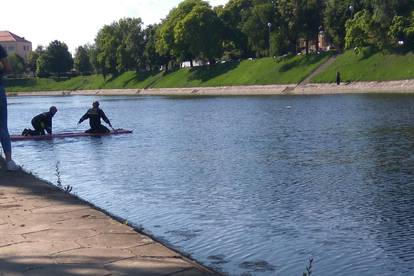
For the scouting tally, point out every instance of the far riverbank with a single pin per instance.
(402, 86)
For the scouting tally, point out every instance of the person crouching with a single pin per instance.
(41, 123)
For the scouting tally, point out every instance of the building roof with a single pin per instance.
(6, 36)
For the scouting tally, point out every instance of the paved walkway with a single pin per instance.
(47, 232)
(318, 70)
(292, 89)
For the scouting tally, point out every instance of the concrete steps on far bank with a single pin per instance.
(45, 231)
(292, 89)
(318, 70)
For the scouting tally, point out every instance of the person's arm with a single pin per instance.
(83, 118)
(49, 125)
(103, 116)
(42, 125)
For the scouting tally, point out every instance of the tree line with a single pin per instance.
(196, 31)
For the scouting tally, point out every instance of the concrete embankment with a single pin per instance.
(193, 91)
(45, 231)
(402, 86)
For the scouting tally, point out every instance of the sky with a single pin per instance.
(77, 22)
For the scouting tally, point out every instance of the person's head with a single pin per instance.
(53, 110)
(95, 104)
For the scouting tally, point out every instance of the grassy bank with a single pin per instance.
(380, 66)
(247, 72)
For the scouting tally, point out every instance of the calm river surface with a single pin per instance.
(247, 185)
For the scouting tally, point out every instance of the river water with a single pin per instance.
(246, 185)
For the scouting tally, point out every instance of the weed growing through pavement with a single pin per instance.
(67, 189)
(59, 179)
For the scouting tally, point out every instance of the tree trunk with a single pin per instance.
(307, 45)
(191, 63)
(317, 42)
(294, 45)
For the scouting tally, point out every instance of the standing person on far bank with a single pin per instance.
(5, 68)
(338, 78)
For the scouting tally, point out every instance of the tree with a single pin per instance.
(200, 31)
(382, 13)
(58, 58)
(42, 66)
(402, 29)
(152, 59)
(170, 45)
(290, 13)
(130, 48)
(92, 55)
(32, 58)
(17, 63)
(82, 63)
(311, 21)
(106, 45)
(164, 43)
(235, 40)
(359, 31)
(120, 47)
(336, 14)
(254, 26)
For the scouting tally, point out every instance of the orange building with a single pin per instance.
(323, 44)
(15, 44)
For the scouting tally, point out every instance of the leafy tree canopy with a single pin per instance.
(56, 59)
(82, 62)
(17, 63)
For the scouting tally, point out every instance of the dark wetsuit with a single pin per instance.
(94, 115)
(338, 78)
(41, 123)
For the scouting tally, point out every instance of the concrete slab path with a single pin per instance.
(318, 70)
(44, 231)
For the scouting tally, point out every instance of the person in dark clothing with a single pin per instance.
(94, 115)
(338, 78)
(41, 122)
(5, 142)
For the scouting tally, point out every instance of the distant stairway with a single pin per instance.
(319, 69)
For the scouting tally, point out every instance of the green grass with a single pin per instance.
(49, 84)
(380, 66)
(247, 72)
